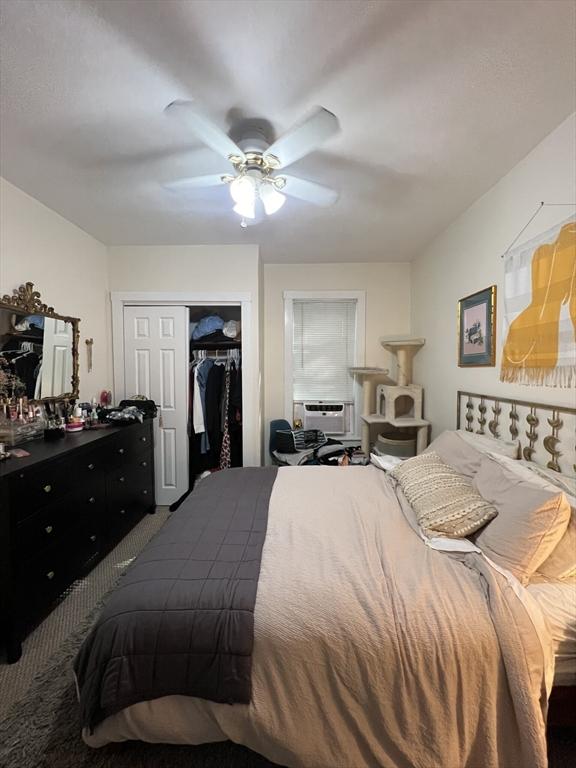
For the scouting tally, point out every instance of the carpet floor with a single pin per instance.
(40, 728)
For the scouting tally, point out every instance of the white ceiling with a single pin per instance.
(437, 101)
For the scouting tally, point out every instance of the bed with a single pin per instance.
(371, 645)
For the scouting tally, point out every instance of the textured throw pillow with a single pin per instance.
(443, 499)
(457, 452)
(531, 521)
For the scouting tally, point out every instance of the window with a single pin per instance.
(323, 349)
(324, 339)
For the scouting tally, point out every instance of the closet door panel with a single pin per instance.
(156, 365)
(169, 459)
(142, 371)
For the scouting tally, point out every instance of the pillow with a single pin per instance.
(561, 564)
(489, 444)
(566, 482)
(443, 499)
(457, 452)
(531, 521)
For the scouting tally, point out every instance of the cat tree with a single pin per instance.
(397, 405)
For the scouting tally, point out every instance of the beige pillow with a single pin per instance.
(566, 483)
(457, 452)
(489, 444)
(443, 499)
(561, 564)
(531, 519)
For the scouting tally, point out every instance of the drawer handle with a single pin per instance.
(143, 463)
(122, 511)
(120, 450)
(91, 500)
(50, 575)
(49, 529)
(21, 475)
(93, 538)
(47, 488)
(90, 466)
(145, 493)
(121, 479)
(143, 439)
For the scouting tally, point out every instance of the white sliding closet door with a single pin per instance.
(156, 365)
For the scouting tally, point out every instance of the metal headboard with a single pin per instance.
(503, 417)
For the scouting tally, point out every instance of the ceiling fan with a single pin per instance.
(256, 184)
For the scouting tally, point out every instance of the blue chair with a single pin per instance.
(275, 426)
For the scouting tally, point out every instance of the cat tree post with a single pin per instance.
(367, 377)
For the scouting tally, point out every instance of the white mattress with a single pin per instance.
(558, 603)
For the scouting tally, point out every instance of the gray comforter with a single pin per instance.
(182, 619)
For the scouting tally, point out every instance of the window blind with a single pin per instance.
(324, 340)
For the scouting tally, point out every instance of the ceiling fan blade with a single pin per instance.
(303, 138)
(207, 131)
(309, 191)
(195, 182)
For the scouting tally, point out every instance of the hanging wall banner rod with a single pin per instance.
(531, 219)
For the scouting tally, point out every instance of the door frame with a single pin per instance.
(250, 349)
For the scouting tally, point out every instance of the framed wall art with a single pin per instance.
(477, 329)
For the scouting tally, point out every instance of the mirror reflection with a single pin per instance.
(36, 355)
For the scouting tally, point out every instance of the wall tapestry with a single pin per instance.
(540, 310)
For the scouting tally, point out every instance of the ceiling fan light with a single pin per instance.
(243, 190)
(271, 199)
(245, 209)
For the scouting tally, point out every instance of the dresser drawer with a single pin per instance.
(42, 579)
(47, 527)
(89, 498)
(141, 483)
(130, 444)
(32, 489)
(121, 518)
(86, 544)
(118, 486)
(92, 465)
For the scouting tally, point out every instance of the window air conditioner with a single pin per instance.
(328, 417)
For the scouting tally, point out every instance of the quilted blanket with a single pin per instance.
(182, 619)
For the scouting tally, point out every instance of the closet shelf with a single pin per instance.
(214, 345)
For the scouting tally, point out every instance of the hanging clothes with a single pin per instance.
(235, 416)
(215, 403)
(225, 456)
(213, 399)
(197, 409)
(202, 373)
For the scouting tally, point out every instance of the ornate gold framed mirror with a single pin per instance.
(38, 349)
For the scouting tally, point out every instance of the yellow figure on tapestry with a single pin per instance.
(530, 354)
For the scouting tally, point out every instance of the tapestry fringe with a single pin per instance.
(563, 376)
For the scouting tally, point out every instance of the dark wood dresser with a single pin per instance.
(61, 510)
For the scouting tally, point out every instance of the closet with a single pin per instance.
(191, 360)
(215, 389)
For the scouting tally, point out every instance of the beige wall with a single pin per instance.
(466, 259)
(184, 268)
(67, 266)
(387, 287)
